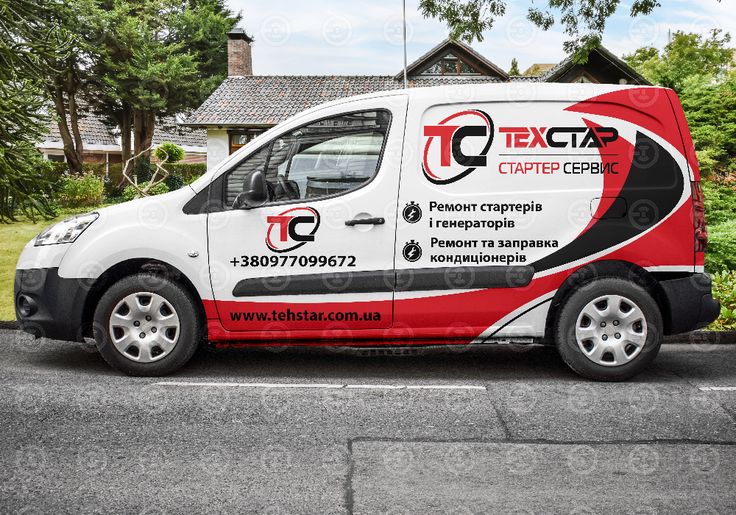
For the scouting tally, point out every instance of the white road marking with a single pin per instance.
(325, 385)
(718, 388)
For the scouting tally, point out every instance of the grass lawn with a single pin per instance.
(13, 238)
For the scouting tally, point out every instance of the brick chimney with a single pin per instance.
(239, 60)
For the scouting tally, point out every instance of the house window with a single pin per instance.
(57, 158)
(240, 138)
(450, 64)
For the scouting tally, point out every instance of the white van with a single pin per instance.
(561, 213)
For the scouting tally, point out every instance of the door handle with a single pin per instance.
(365, 221)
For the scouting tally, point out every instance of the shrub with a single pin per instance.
(142, 170)
(724, 289)
(720, 202)
(129, 193)
(721, 253)
(183, 173)
(115, 182)
(707, 162)
(80, 190)
(174, 181)
(169, 152)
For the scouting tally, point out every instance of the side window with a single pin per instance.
(324, 158)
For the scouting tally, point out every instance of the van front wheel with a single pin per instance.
(609, 330)
(147, 325)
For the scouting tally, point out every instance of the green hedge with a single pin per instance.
(720, 213)
(720, 202)
(188, 171)
(721, 252)
(724, 289)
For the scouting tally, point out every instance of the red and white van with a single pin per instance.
(560, 213)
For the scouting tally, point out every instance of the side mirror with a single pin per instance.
(255, 191)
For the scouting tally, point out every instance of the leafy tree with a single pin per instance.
(131, 61)
(514, 70)
(26, 42)
(686, 55)
(583, 20)
(710, 106)
(697, 67)
(67, 73)
(159, 58)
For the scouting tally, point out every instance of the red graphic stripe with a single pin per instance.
(648, 108)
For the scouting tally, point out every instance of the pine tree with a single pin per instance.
(514, 70)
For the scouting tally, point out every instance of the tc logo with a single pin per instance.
(291, 229)
(445, 158)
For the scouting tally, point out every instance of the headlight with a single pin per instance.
(67, 230)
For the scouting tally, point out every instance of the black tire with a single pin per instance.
(565, 329)
(190, 329)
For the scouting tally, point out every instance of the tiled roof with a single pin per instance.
(270, 99)
(93, 130)
(168, 129)
(265, 100)
(524, 78)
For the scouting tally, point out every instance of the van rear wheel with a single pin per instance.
(609, 330)
(147, 325)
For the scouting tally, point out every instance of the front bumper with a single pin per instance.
(690, 303)
(49, 306)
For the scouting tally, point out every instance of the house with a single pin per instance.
(245, 105)
(102, 141)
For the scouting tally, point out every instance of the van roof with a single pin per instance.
(492, 92)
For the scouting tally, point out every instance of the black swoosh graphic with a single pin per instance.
(419, 279)
(656, 183)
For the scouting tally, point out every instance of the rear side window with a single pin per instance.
(325, 158)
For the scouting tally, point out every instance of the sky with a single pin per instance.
(359, 37)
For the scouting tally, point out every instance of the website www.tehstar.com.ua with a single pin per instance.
(305, 315)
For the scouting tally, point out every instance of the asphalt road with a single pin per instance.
(482, 430)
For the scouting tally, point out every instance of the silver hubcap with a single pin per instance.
(144, 327)
(611, 330)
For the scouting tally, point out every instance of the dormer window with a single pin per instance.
(450, 64)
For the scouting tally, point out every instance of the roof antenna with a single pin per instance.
(406, 82)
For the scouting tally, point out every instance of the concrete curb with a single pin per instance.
(694, 338)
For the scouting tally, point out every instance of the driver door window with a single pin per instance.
(234, 181)
(325, 158)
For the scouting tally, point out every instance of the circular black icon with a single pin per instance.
(412, 251)
(412, 213)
